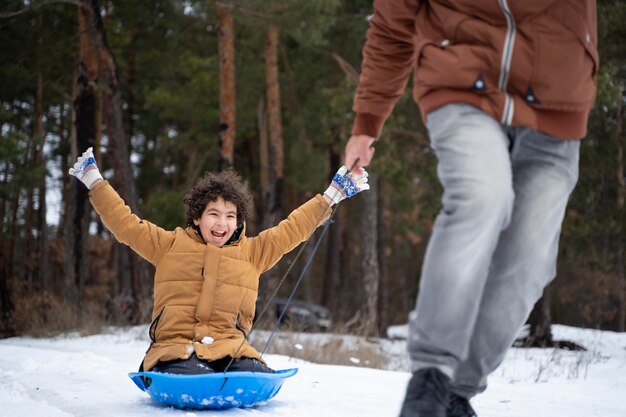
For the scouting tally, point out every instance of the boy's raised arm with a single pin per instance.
(145, 238)
(271, 244)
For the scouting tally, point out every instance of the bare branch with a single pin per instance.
(345, 66)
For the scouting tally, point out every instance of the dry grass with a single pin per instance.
(44, 315)
(324, 348)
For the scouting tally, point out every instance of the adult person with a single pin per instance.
(505, 89)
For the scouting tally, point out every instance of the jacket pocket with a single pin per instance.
(565, 64)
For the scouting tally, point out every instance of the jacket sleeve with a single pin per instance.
(270, 245)
(388, 56)
(148, 240)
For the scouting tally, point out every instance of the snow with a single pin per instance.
(70, 376)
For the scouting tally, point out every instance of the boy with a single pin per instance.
(206, 280)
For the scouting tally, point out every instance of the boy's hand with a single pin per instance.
(85, 169)
(345, 185)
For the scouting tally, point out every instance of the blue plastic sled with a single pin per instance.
(212, 391)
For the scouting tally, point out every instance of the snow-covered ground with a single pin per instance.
(86, 376)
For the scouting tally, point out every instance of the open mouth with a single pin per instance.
(218, 234)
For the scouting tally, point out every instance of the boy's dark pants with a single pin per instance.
(195, 365)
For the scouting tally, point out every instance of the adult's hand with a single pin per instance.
(359, 149)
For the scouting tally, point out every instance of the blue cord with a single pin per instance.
(306, 267)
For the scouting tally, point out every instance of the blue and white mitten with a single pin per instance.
(346, 184)
(85, 168)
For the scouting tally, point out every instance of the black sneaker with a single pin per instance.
(427, 395)
(460, 407)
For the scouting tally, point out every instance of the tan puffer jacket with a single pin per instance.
(203, 292)
(527, 63)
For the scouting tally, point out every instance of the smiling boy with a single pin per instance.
(207, 274)
(217, 206)
(218, 222)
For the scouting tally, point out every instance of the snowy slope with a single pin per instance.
(86, 376)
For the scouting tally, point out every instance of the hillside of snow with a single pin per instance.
(72, 376)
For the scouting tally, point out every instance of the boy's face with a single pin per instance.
(218, 222)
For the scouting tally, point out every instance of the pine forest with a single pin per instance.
(166, 90)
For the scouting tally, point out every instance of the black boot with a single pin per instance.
(460, 407)
(427, 394)
(240, 364)
(191, 366)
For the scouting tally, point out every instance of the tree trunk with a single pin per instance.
(226, 51)
(264, 161)
(123, 175)
(31, 158)
(274, 121)
(383, 290)
(540, 332)
(13, 232)
(346, 274)
(97, 150)
(44, 256)
(621, 197)
(44, 250)
(621, 287)
(65, 154)
(98, 50)
(85, 107)
(333, 248)
(269, 279)
(43, 267)
(131, 88)
(6, 302)
(369, 257)
(70, 198)
(131, 267)
(274, 153)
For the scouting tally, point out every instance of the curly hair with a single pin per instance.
(226, 184)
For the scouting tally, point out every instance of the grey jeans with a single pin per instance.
(494, 244)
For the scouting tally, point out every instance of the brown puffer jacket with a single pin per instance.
(203, 292)
(527, 63)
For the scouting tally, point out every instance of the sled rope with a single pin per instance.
(282, 280)
(295, 287)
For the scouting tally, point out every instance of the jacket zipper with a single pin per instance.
(153, 326)
(505, 66)
(238, 326)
